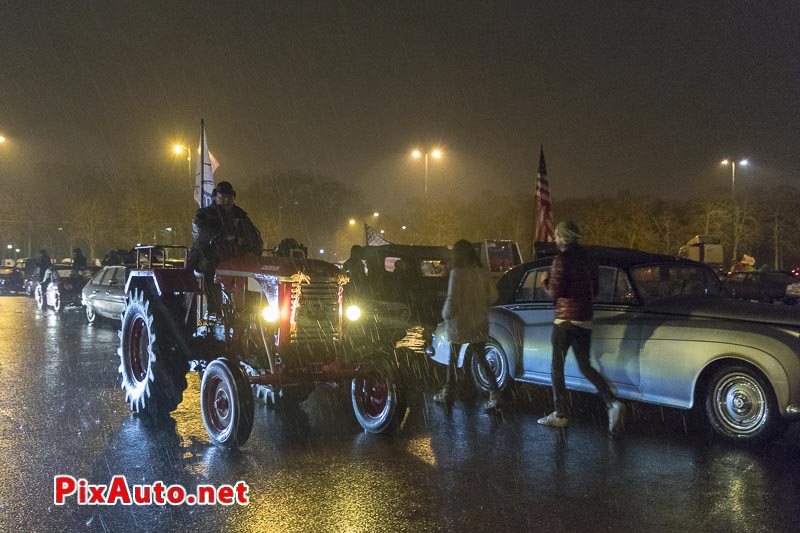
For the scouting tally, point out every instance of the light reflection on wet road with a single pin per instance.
(62, 412)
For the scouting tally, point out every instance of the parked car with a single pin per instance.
(663, 332)
(764, 287)
(61, 287)
(30, 274)
(104, 295)
(11, 280)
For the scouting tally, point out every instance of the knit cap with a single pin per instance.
(569, 231)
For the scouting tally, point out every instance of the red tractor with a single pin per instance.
(278, 333)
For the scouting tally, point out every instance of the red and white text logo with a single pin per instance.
(118, 491)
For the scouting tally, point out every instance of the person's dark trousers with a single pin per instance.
(478, 350)
(564, 336)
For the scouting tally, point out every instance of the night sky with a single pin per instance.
(644, 96)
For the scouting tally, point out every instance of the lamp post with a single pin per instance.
(732, 164)
(435, 153)
(179, 149)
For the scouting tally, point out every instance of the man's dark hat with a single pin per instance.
(223, 187)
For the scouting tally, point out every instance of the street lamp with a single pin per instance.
(179, 149)
(732, 164)
(435, 153)
(2, 139)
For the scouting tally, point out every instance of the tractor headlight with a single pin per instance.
(270, 314)
(353, 313)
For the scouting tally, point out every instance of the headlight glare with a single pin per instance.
(353, 313)
(270, 314)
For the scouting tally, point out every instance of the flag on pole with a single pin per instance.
(204, 177)
(544, 213)
(372, 237)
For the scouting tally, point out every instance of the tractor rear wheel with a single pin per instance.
(153, 372)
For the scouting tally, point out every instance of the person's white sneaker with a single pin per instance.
(553, 420)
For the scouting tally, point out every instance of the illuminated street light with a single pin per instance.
(352, 222)
(179, 149)
(2, 139)
(435, 153)
(732, 164)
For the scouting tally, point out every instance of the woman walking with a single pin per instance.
(470, 292)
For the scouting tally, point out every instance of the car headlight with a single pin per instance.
(353, 313)
(270, 314)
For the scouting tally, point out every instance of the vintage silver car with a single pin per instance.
(663, 332)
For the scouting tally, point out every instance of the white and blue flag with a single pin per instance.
(204, 177)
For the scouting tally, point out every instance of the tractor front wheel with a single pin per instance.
(379, 401)
(226, 402)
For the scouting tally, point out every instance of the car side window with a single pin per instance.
(614, 287)
(98, 278)
(532, 287)
(118, 278)
(105, 276)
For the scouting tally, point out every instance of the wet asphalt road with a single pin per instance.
(62, 412)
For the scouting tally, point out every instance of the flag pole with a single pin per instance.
(202, 160)
(535, 208)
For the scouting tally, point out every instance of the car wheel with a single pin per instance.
(741, 405)
(37, 294)
(226, 403)
(379, 401)
(91, 315)
(153, 372)
(498, 362)
(57, 302)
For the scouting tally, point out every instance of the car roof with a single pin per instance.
(622, 258)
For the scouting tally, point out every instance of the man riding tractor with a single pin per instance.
(221, 231)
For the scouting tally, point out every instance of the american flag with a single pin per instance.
(544, 212)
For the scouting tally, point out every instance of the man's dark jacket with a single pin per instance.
(573, 283)
(219, 235)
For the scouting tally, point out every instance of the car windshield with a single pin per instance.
(662, 281)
